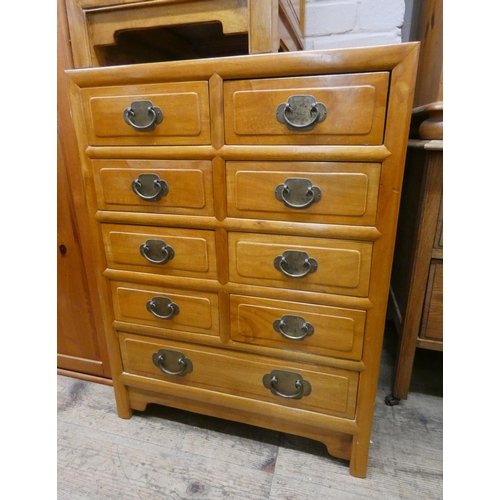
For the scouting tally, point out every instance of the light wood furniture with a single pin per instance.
(244, 219)
(416, 303)
(110, 32)
(416, 299)
(81, 345)
(106, 32)
(427, 28)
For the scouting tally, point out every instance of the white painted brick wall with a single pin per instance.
(353, 23)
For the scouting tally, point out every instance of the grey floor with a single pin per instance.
(169, 454)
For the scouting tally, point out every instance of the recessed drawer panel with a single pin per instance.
(159, 250)
(301, 263)
(166, 309)
(155, 114)
(432, 317)
(328, 331)
(333, 109)
(329, 391)
(438, 239)
(323, 192)
(154, 186)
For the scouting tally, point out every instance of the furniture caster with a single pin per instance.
(391, 400)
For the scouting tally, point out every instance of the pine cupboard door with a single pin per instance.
(79, 347)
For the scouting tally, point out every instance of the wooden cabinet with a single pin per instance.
(416, 299)
(81, 346)
(244, 239)
(110, 32)
(104, 33)
(416, 302)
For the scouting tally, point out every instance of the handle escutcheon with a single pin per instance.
(301, 112)
(169, 361)
(297, 193)
(293, 327)
(142, 116)
(286, 385)
(156, 251)
(149, 187)
(295, 264)
(162, 307)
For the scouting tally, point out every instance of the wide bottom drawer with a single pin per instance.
(327, 390)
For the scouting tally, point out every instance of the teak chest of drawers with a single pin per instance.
(244, 212)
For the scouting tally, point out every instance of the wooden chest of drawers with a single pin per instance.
(244, 215)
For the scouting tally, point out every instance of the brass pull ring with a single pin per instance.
(162, 307)
(149, 187)
(142, 116)
(288, 385)
(181, 362)
(151, 249)
(289, 110)
(297, 395)
(293, 327)
(295, 264)
(301, 112)
(166, 357)
(297, 193)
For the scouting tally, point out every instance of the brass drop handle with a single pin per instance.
(301, 112)
(293, 327)
(162, 307)
(142, 116)
(149, 187)
(297, 193)
(156, 251)
(167, 360)
(286, 384)
(295, 264)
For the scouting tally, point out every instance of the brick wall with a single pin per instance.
(353, 23)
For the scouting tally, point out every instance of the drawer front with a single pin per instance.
(154, 186)
(159, 250)
(432, 318)
(438, 239)
(166, 309)
(183, 108)
(332, 391)
(328, 331)
(335, 193)
(353, 110)
(301, 263)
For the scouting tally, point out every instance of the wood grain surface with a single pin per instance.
(164, 453)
